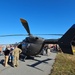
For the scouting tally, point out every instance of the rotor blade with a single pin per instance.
(25, 24)
(13, 35)
(27, 35)
(50, 34)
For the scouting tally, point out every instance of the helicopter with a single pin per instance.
(32, 45)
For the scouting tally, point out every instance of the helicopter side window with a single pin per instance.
(24, 46)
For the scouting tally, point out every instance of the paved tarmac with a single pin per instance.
(39, 66)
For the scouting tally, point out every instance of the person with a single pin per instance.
(11, 57)
(16, 53)
(48, 49)
(6, 53)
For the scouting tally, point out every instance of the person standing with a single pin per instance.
(6, 53)
(16, 53)
(11, 57)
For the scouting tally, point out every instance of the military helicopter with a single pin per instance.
(32, 45)
(35, 44)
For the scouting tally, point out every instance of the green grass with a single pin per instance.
(64, 65)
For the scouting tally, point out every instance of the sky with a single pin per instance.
(43, 17)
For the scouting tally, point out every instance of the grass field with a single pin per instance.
(64, 65)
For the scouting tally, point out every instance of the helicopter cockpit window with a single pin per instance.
(24, 46)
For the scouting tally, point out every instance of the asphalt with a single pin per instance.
(41, 65)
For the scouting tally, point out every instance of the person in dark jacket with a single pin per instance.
(6, 53)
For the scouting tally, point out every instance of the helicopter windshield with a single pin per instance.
(24, 45)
